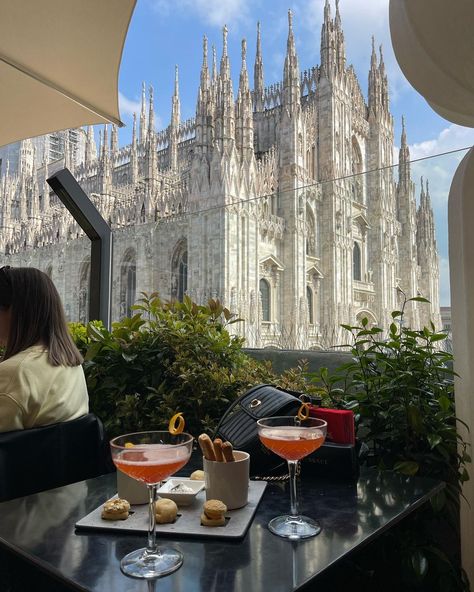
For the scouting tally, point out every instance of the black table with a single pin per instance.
(39, 529)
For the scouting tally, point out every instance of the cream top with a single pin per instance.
(35, 393)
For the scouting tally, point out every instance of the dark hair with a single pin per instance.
(37, 315)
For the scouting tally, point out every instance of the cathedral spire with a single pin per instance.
(244, 77)
(404, 175)
(374, 81)
(404, 134)
(134, 152)
(143, 115)
(425, 231)
(134, 132)
(337, 19)
(333, 53)
(174, 126)
(90, 152)
(244, 114)
(105, 141)
(258, 74)
(225, 100)
(373, 56)
(225, 64)
(214, 64)
(114, 139)
(151, 116)
(339, 39)
(175, 107)
(291, 72)
(205, 68)
(383, 80)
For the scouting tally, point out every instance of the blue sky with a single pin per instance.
(168, 32)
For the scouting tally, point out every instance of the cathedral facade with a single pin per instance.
(282, 202)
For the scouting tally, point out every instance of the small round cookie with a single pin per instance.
(166, 511)
(214, 509)
(206, 521)
(115, 509)
(197, 476)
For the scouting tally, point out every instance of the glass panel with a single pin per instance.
(293, 264)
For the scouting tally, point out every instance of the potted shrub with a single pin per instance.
(400, 385)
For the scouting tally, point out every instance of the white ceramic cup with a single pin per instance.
(228, 481)
(130, 489)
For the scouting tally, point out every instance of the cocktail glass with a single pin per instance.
(292, 439)
(150, 457)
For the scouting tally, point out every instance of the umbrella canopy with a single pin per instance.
(59, 64)
(433, 44)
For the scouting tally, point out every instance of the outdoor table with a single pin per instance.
(39, 530)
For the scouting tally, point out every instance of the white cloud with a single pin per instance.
(128, 106)
(211, 12)
(450, 138)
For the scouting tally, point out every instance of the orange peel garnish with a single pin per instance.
(129, 445)
(176, 429)
(303, 411)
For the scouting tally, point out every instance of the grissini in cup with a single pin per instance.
(206, 446)
(218, 450)
(227, 451)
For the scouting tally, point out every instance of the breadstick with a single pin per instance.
(227, 452)
(206, 446)
(218, 450)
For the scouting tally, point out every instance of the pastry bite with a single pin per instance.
(166, 511)
(197, 475)
(213, 513)
(205, 521)
(116, 509)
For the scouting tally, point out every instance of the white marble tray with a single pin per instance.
(188, 522)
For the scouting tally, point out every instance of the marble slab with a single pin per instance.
(188, 522)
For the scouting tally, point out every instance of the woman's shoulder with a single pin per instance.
(22, 359)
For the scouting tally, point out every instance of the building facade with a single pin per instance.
(282, 202)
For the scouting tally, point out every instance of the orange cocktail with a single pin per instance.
(150, 457)
(292, 438)
(151, 463)
(292, 442)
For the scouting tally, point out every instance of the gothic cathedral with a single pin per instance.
(283, 203)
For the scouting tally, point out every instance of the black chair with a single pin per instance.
(50, 456)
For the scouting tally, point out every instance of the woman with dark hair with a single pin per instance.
(41, 377)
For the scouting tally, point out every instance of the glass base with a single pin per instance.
(294, 527)
(143, 564)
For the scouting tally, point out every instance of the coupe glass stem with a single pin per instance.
(292, 469)
(151, 546)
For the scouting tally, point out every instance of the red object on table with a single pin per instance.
(340, 424)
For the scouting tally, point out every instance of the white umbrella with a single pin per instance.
(59, 64)
(434, 47)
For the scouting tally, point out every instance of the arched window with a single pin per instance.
(310, 233)
(265, 297)
(309, 298)
(179, 270)
(357, 168)
(356, 263)
(128, 283)
(84, 283)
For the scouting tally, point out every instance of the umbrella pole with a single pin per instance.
(96, 228)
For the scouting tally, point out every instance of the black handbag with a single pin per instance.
(238, 425)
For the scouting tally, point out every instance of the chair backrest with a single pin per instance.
(50, 456)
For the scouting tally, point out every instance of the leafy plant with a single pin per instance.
(169, 357)
(402, 390)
